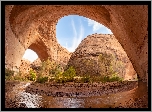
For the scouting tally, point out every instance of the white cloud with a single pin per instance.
(109, 31)
(75, 34)
(97, 26)
(77, 38)
(81, 34)
(30, 55)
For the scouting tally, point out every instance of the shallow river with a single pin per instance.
(135, 98)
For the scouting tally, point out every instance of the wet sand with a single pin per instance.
(79, 89)
(67, 90)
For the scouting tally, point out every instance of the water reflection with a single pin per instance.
(127, 99)
(23, 98)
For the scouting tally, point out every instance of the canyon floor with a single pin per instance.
(68, 90)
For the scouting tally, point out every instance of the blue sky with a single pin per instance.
(70, 31)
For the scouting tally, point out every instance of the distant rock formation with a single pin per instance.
(85, 59)
(25, 66)
(36, 63)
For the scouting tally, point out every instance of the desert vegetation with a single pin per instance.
(50, 71)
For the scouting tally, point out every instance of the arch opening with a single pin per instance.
(30, 55)
(72, 29)
(66, 29)
(41, 50)
(39, 22)
(110, 16)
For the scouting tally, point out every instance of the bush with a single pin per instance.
(86, 79)
(18, 77)
(8, 72)
(69, 74)
(115, 77)
(55, 70)
(32, 75)
(77, 79)
(11, 75)
(59, 78)
(106, 79)
(42, 79)
(109, 64)
(46, 71)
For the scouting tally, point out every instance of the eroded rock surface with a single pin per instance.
(86, 57)
(35, 64)
(25, 66)
(24, 24)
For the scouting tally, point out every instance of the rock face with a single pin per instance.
(86, 57)
(36, 64)
(27, 25)
(25, 66)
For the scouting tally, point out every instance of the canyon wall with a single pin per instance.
(26, 25)
(86, 60)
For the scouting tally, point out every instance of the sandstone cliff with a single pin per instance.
(25, 66)
(85, 59)
(25, 23)
(36, 63)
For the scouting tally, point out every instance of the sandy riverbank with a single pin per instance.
(63, 90)
(73, 89)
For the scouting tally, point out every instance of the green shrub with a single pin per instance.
(115, 77)
(55, 70)
(42, 79)
(59, 78)
(8, 72)
(86, 79)
(77, 79)
(47, 70)
(51, 79)
(18, 77)
(109, 64)
(69, 74)
(106, 79)
(112, 78)
(97, 79)
(32, 75)
(11, 75)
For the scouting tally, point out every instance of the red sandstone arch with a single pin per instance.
(127, 22)
(40, 48)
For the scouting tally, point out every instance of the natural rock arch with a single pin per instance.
(24, 22)
(40, 48)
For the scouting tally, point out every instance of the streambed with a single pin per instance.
(70, 95)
